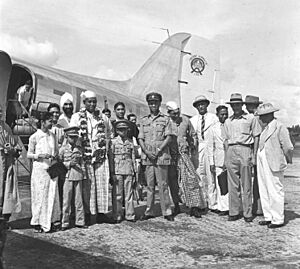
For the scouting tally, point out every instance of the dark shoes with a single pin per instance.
(195, 212)
(216, 211)
(131, 220)
(82, 226)
(117, 221)
(169, 218)
(273, 226)
(258, 214)
(176, 210)
(102, 218)
(38, 229)
(146, 217)
(233, 218)
(264, 222)
(249, 219)
(223, 213)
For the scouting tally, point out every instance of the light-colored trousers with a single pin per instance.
(72, 188)
(239, 163)
(270, 190)
(207, 180)
(222, 200)
(160, 173)
(122, 188)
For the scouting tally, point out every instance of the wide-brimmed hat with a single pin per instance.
(200, 98)
(265, 109)
(251, 99)
(235, 98)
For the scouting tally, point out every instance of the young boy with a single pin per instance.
(71, 155)
(122, 170)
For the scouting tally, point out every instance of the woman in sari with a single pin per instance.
(43, 150)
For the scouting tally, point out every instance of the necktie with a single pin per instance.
(202, 127)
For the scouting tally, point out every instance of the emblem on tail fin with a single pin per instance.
(198, 64)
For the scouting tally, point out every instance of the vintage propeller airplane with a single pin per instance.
(183, 67)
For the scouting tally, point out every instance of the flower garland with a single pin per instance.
(95, 152)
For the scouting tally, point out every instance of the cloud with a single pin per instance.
(108, 73)
(29, 49)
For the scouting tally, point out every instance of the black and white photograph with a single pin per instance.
(149, 134)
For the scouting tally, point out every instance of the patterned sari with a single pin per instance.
(189, 182)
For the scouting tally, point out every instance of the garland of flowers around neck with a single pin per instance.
(85, 142)
(90, 150)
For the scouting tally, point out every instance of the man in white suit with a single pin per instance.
(274, 153)
(215, 146)
(202, 122)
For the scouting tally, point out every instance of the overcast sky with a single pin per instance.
(259, 40)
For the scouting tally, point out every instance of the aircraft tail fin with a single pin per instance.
(161, 71)
(183, 67)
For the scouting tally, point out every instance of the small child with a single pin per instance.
(99, 144)
(72, 157)
(122, 170)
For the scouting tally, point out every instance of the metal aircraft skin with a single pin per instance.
(183, 67)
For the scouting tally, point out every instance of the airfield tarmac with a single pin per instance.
(210, 242)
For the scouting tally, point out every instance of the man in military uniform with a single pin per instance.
(122, 170)
(155, 135)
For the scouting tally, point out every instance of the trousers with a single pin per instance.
(173, 183)
(206, 177)
(239, 163)
(222, 200)
(256, 207)
(160, 174)
(72, 188)
(270, 189)
(122, 190)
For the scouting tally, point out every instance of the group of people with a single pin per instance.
(214, 162)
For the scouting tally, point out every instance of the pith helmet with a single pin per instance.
(200, 98)
(265, 109)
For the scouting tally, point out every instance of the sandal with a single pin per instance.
(38, 229)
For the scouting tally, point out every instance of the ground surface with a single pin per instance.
(210, 242)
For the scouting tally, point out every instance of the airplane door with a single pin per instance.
(5, 71)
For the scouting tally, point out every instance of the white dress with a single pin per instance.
(44, 190)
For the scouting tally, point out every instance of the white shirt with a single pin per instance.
(215, 145)
(92, 125)
(24, 95)
(209, 119)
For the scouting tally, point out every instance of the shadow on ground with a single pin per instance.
(22, 251)
(290, 215)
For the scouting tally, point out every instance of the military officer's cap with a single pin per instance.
(153, 96)
(72, 131)
(122, 124)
